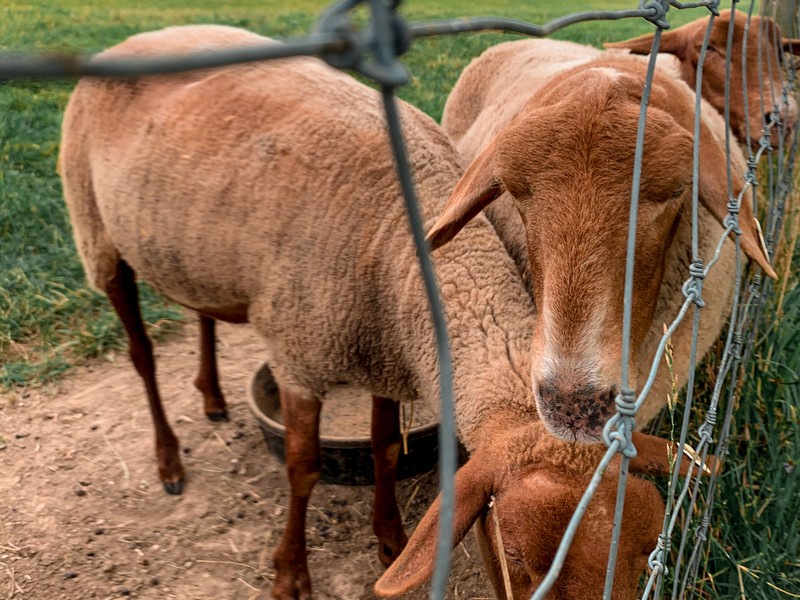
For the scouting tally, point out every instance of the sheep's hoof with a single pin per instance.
(292, 586)
(174, 488)
(218, 417)
(390, 549)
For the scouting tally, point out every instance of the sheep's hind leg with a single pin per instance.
(207, 380)
(301, 417)
(124, 296)
(386, 440)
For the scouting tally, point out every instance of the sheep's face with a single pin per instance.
(573, 193)
(526, 487)
(532, 514)
(761, 67)
(567, 161)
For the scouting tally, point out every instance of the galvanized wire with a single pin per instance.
(373, 51)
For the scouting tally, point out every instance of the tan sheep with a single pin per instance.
(520, 494)
(679, 52)
(267, 193)
(552, 145)
(764, 81)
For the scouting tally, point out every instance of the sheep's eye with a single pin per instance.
(678, 192)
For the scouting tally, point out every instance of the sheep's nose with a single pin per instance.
(575, 412)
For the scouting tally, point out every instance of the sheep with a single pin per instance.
(520, 492)
(678, 54)
(763, 68)
(551, 152)
(267, 193)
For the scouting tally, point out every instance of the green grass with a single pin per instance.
(50, 320)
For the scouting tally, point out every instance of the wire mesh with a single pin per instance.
(373, 51)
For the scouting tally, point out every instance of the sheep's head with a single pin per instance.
(532, 501)
(567, 162)
(761, 66)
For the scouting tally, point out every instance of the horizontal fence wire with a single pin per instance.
(373, 51)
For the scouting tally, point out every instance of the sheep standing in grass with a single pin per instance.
(267, 194)
(551, 134)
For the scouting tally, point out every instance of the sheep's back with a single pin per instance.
(230, 172)
(272, 187)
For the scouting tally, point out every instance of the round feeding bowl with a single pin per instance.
(345, 460)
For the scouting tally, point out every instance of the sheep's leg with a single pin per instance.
(386, 439)
(301, 417)
(207, 380)
(124, 296)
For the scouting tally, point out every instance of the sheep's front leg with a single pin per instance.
(124, 296)
(386, 440)
(301, 417)
(207, 380)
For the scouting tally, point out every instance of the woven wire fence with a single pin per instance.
(373, 51)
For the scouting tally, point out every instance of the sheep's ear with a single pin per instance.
(653, 456)
(476, 189)
(676, 42)
(714, 196)
(473, 486)
(791, 45)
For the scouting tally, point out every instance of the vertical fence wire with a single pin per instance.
(625, 401)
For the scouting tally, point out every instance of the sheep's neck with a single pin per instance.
(490, 321)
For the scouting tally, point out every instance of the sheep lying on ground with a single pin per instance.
(520, 493)
(552, 141)
(267, 193)
(764, 80)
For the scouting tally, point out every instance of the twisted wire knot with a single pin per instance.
(736, 346)
(366, 50)
(706, 430)
(626, 402)
(766, 142)
(619, 428)
(726, 444)
(702, 530)
(731, 221)
(693, 287)
(714, 8)
(656, 559)
(658, 18)
(696, 269)
(655, 562)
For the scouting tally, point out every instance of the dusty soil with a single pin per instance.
(83, 515)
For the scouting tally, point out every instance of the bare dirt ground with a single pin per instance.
(83, 515)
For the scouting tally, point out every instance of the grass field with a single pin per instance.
(50, 321)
